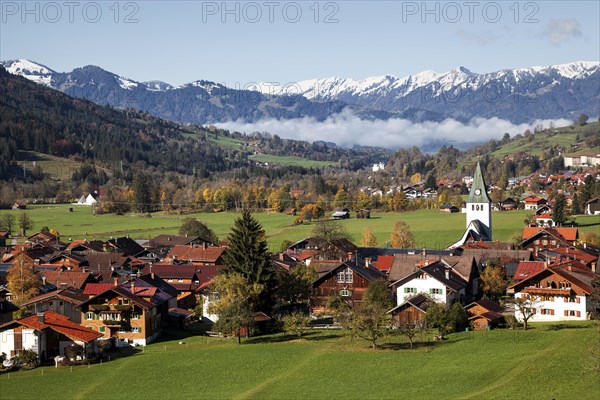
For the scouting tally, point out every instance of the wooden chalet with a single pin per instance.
(64, 302)
(321, 249)
(534, 202)
(196, 255)
(449, 209)
(183, 278)
(592, 206)
(176, 240)
(557, 293)
(509, 204)
(346, 279)
(484, 314)
(538, 239)
(133, 313)
(412, 310)
(19, 205)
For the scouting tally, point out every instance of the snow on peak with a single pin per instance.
(127, 83)
(33, 71)
(157, 86)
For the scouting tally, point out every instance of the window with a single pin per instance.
(89, 315)
(546, 298)
(410, 290)
(102, 329)
(126, 301)
(136, 329)
(135, 315)
(60, 303)
(51, 303)
(571, 299)
(572, 313)
(90, 327)
(472, 207)
(345, 293)
(436, 291)
(345, 276)
(120, 302)
(180, 280)
(547, 311)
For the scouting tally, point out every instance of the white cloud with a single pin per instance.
(346, 129)
(559, 31)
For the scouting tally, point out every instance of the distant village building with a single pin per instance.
(19, 205)
(590, 160)
(88, 200)
(592, 207)
(378, 167)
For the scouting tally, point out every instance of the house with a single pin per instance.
(19, 205)
(346, 279)
(125, 245)
(582, 160)
(343, 213)
(296, 193)
(321, 249)
(412, 310)
(44, 237)
(438, 280)
(183, 278)
(133, 313)
(176, 240)
(449, 209)
(509, 204)
(46, 333)
(64, 302)
(533, 202)
(196, 255)
(60, 279)
(363, 213)
(557, 293)
(484, 314)
(6, 307)
(290, 211)
(592, 207)
(525, 269)
(538, 239)
(543, 220)
(4, 236)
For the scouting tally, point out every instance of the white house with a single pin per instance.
(378, 167)
(558, 293)
(437, 280)
(46, 333)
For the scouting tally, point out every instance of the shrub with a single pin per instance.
(296, 323)
(73, 351)
(27, 359)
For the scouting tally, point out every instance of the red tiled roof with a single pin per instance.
(384, 263)
(489, 315)
(169, 271)
(93, 289)
(61, 324)
(487, 304)
(525, 269)
(71, 295)
(74, 279)
(532, 199)
(200, 254)
(569, 234)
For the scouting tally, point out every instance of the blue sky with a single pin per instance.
(286, 41)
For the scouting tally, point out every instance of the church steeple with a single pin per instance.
(478, 193)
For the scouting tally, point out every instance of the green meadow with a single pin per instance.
(549, 361)
(430, 228)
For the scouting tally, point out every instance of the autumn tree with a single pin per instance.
(363, 201)
(25, 223)
(368, 239)
(329, 232)
(7, 223)
(296, 287)
(370, 321)
(590, 238)
(193, 227)
(493, 282)
(398, 202)
(342, 199)
(23, 281)
(310, 212)
(401, 236)
(236, 303)
(446, 319)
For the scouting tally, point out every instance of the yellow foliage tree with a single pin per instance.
(401, 236)
(368, 239)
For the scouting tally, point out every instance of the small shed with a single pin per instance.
(449, 209)
(364, 213)
(19, 205)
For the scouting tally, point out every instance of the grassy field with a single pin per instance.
(290, 160)
(431, 229)
(56, 167)
(545, 362)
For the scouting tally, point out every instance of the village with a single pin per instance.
(94, 295)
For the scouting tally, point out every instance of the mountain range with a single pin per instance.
(516, 95)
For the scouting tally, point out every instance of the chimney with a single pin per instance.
(447, 273)
(281, 256)
(116, 281)
(36, 261)
(367, 261)
(594, 267)
(40, 317)
(546, 264)
(132, 286)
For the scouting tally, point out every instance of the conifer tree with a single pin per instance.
(248, 254)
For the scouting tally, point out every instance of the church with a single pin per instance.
(479, 213)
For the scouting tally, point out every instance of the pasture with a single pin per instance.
(430, 228)
(548, 361)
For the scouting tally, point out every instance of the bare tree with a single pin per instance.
(527, 307)
(410, 330)
(7, 223)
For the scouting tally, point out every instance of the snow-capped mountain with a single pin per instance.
(558, 87)
(517, 95)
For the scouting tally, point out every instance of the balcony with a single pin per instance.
(549, 291)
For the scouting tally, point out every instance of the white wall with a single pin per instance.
(483, 214)
(422, 285)
(559, 306)
(7, 341)
(30, 340)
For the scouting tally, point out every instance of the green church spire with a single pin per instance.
(478, 193)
